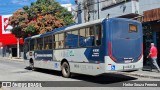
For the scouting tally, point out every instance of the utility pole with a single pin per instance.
(98, 8)
(18, 47)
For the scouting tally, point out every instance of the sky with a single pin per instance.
(10, 6)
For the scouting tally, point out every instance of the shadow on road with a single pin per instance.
(100, 79)
(105, 78)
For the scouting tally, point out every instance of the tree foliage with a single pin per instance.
(42, 16)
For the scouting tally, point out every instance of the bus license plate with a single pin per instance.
(128, 67)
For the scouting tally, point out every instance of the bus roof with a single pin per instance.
(66, 28)
(71, 27)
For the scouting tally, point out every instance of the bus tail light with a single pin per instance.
(110, 52)
(141, 52)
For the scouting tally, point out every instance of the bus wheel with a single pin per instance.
(31, 65)
(66, 70)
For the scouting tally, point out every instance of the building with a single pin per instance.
(8, 42)
(67, 6)
(146, 11)
(89, 10)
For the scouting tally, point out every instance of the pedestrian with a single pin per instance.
(153, 55)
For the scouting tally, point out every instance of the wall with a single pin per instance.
(120, 9)
(97, 10)
(148, 5)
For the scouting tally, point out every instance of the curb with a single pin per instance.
(13, 59)
(19, 60)
(140, 75)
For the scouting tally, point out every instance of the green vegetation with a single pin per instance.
(42, 16)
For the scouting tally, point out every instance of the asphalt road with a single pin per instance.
(15, 71)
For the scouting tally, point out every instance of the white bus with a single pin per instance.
(92, 48)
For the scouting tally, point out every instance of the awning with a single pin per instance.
(8, 40)
(151, 15)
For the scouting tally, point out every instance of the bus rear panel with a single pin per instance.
(125, 45)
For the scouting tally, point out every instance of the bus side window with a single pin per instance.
(53, 44)
(26, 47)
(61, 40)
(90, 37)
(48, 42)
(32, 44)
(71, 39)
(98, 35)
(75, 39)
(82, 37)
(56, 44)
(39, 43)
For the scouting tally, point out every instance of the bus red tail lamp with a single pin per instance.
(141, 52)
(110, 52)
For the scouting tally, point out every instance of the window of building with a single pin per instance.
(108, 3)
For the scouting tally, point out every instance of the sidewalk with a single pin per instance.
(13, 59)
(141, 73)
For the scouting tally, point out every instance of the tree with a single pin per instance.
(18, 22)
(41, 17)
(45, 15)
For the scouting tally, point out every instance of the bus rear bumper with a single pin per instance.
(111, 66)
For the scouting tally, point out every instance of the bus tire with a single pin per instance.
(66, 70)
(31, 65)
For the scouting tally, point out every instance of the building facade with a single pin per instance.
(8, 42)
(89, 10)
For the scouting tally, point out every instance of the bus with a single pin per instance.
(92, 48)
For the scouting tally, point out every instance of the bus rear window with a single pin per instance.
(132, 28)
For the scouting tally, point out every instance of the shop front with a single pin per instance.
(151, 31)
